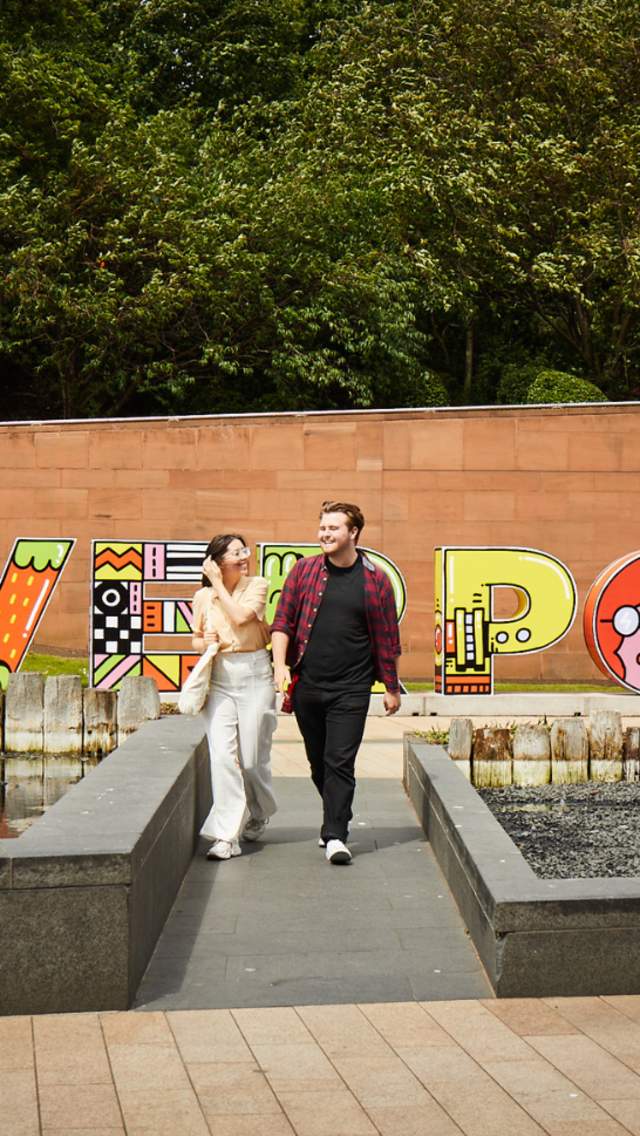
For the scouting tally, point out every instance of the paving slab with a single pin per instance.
(562, 1067)
(279, 926)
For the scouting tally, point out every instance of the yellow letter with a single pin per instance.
(467, 634)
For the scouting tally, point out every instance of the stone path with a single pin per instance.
(561, 1067)
(407, 1067)
(279, 926)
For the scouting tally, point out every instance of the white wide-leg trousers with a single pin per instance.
(240, 716)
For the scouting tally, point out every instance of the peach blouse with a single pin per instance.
(208, 614)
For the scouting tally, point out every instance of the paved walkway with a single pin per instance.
(564, 1067)
(407, 1067)
(278, 926)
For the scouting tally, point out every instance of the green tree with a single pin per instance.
(313, 203)
(557, 386)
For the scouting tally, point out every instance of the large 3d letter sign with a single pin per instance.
(611, 621)
(129, 610)
(125, 615)
(467, 634)
(31, 573)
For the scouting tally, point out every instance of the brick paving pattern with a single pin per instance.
(564, 1067)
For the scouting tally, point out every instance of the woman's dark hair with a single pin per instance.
(216, 549)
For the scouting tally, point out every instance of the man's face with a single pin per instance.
(334, 534)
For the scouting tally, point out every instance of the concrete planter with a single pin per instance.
(536, 937)
(84, 892)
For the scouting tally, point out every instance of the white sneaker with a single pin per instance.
(254, 828)
(322, 842)
(337, 852)
(224, 850)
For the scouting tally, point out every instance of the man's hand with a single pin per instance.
(391, 702)
(281, 677)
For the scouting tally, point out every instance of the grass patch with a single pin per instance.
(534, 688)
(434, 736)
(57, 665)
(64, 664)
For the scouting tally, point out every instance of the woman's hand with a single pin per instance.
(203, 640)
(212, 572)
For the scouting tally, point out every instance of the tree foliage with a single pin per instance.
(228, 205)
(557, 386)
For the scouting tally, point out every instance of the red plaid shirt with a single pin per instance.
(301, 597)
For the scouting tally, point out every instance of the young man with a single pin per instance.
(336, 628)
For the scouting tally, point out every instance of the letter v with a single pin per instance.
(30, 576)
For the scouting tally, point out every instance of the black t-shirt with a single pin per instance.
(338, 653)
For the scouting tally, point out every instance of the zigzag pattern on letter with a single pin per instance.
(118, 561)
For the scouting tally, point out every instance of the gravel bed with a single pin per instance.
(573, 831)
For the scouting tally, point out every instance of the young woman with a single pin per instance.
(240, 710)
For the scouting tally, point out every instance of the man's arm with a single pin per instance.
(283, 629)
(281, 672)
(391, 699)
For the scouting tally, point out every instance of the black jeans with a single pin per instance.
(332, 725)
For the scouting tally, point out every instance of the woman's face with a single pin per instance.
(235, 561)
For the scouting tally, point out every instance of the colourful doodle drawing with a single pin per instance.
(467, 636)
(31, 573)
(275, 561)
(611, 621)
(123, 617)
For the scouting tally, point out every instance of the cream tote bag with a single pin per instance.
(195, 690)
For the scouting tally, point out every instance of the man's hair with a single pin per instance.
(353, 514)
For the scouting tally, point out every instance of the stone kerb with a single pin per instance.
(605, 746)
(100, 719)
(85, 892)
(631, 754)
(63, 714)
(55, 715)
(138, 702)
(461, 744)
(531, 754)
(569, 751)
(24, 713)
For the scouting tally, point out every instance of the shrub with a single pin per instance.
(515, 380)
(558, 386)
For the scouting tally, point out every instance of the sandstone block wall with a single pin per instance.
(560, 479)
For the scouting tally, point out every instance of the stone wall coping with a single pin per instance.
(101, 829)
(398, 412)
(503, 875)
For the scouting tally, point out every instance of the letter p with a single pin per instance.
(467, 632)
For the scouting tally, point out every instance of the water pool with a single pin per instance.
(29, 785)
